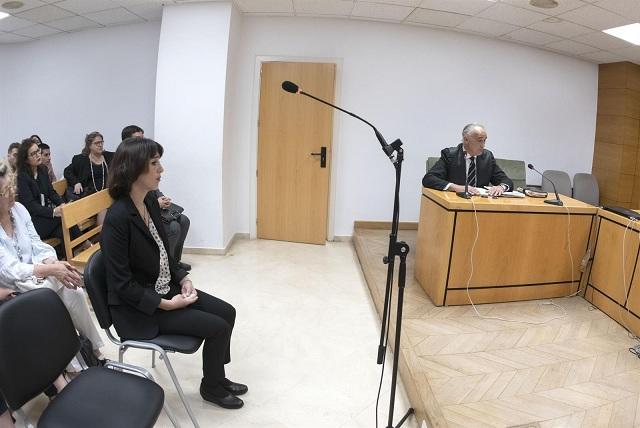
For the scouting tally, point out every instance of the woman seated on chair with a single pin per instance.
(89, 171)
(27, 263)
(37, 195)
(148, 293)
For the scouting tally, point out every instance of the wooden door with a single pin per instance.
(293, 187)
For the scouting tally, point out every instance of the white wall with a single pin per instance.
(422, 86)
(189, 113)
(415, 83)
(64, 87)
(235, 157)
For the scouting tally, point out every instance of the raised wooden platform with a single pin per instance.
(462, 370)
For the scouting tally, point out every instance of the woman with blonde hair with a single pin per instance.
(27, 263)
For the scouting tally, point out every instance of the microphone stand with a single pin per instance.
(555, 201)
(465, 194)
(396, 249)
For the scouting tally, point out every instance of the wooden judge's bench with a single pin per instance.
(521, 251)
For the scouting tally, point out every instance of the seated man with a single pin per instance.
(12, 155)
(468, 161)
(46, 161)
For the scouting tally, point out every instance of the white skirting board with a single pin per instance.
(215, 251)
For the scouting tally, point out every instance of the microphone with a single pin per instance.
(290, 87)
(555, 201)
(388, 149)
(465, 194)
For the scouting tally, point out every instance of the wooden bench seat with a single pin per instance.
(77, 213)
(60, 186)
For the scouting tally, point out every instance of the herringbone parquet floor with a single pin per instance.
(462, 370)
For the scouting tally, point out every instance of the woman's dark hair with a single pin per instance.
(38, 137)
(129, 162)
(22, 163)
(88, 140)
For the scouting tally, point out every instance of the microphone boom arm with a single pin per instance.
(388, 149)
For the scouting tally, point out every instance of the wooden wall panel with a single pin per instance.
(612, 75)
(616, 154)
(617, 130)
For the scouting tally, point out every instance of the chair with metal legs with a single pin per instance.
(38, 340)
(95, 280)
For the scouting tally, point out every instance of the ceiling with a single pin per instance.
(573, 28)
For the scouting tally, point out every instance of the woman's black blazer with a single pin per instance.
(132, 263)
(29, 194)
(79, 171)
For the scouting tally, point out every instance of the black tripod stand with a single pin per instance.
(400, 249)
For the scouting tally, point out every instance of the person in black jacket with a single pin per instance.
(89, 171)
(178, 227)
(468, 161)
(148, 292)
(36, 193)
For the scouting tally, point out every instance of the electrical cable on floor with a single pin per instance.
(384, 356)
(624, 285)
(570, 253)
(550, 302)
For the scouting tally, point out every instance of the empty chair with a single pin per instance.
(95, 279)
(38, 340)
(585, 188)
(561, 179)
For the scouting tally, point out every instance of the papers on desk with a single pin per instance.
(514, 194)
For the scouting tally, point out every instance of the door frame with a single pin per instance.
(255, 109)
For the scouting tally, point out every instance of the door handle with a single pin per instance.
(323, 156)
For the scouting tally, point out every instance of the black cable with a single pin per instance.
(384, 357)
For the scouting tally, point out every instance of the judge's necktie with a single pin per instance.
(471, 175)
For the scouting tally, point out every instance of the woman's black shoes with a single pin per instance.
(233, 387)
(221, 397)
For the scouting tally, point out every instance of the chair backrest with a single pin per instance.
(60, 186)
(431, 161)
(76, 213)
(561, 180)
(585, 188)
(37, 341)
(514, 169)
(95, 282)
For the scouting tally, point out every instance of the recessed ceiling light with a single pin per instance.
(552, 20)
(3, 15)
(545, 4)
(12, 4)
(629, 33)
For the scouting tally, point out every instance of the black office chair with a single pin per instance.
(37, 341)
(95, 281)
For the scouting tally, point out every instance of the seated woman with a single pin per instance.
(27, 263)
(148, 293)
(89, 171)
(36, 193)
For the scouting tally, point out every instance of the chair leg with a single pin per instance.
(24, 418)
(163, 356)
(170, 415)
(121, 351)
